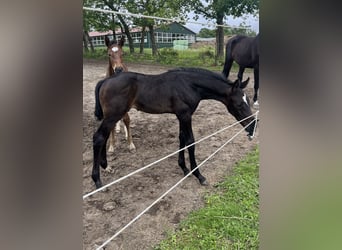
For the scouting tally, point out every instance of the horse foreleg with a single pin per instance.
(181, 159)
(117, 127)
(112, 137)
(189, 139)
(256, 86)
(111, 141)
(240, 74)
(128, 134)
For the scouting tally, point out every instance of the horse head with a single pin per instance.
(239, 107)
(115, 53)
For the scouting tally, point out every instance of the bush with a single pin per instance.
(206, 54)
(167, 55)
(99, 53)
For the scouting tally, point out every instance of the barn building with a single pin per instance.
(171, 35)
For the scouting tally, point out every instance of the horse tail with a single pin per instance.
(229, 60)
(98, 109)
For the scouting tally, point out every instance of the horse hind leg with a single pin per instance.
(128, 133)
(99, 150)
(227, 66)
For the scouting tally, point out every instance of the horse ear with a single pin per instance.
(107, 41)
(122, 41)
(236, 84)
(244, 84)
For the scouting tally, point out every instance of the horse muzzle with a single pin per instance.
(118, 70)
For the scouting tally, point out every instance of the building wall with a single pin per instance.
(164, 36)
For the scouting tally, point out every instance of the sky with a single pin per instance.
(248, 19)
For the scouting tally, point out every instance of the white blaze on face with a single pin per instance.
(115, 49)
(245, 98)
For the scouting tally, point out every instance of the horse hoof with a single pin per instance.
(98, 184)
(109, 170)
(103, 164)
(111, 149)
(256, 105)
(132, 148)
(186, 172)
(204, 182)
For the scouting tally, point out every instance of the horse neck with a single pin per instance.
(218, 92)
(110, 70)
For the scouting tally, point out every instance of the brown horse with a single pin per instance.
(178, 92)
(115, 66)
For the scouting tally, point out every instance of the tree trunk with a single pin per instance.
(220, 39)
(85, 41)
(142, 43)
(110, 4)
(153, 40)
(91, 43)
(113, 28)
(128, 34)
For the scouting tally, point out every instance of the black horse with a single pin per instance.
(244, 51)
(177, 91)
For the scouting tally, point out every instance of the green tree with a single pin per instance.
(206, 33)
(242, 29)
(86, 29)
(115, 5)
(108, 21)
(219, 9)
(165, 8)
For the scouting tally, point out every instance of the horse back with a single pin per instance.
(118, 93)
(244, 50)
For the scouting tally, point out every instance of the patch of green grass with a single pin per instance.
(203, 57)
(99, 53)
(230, 219)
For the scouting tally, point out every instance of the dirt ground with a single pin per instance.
(154, 136)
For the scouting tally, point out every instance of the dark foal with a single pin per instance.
(116, 66)
(178, 92)
(244, 51)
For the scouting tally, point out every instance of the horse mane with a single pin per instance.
(202, 71)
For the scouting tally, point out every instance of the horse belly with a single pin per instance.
(153, 107)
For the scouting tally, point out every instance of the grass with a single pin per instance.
(229, 219)
(203, 57)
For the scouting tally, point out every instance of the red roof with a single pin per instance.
(118, 31)
(109, 32)
(102, 33)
